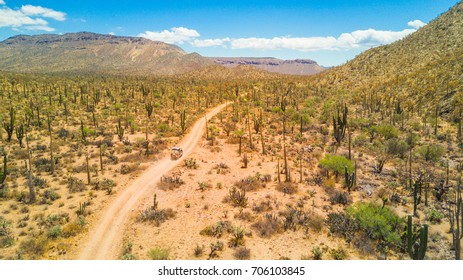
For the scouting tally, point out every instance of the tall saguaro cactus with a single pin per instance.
(3, 172)
(350, 179)
(120, 130)
(417, 244)
(340, 125)
(182, 121)
(9, 126)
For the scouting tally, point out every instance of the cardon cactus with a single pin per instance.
(417, 244)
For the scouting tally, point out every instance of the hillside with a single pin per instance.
(95, 53)
(423, 67)
(293, 67)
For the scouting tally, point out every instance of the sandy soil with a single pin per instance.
(102, 239)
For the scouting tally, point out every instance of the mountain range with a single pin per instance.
(293, 67)
(86, 52)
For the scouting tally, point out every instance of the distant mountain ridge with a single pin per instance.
(86, 52)
(294, 67)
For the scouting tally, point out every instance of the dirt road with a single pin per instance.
(109, 229)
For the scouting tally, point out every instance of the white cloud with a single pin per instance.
(29, 18)
(112, 33)
(416, 23)
(2, 2)
(30, 10)
(346, 41)
(40, 27)
(176, 35)
(209, 42)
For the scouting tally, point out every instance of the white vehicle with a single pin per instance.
(176, 153)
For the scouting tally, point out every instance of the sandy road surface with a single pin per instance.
(109, 229)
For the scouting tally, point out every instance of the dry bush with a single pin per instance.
(217, 230)
(135, 158)
(242, 253)
(75, 185)
(190, 163)
(338, 197)
(236, 198)
(129, 168)
(268, 225)
(263, 206)
(170, 183)
(253, 183)
(157, 216)
(33, 247)
(222, 168)
(244, 216)
(343, 225)
(287, 187)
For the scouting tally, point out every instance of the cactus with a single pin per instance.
(83, 132)
(20, 134)
(287, 176)
(3, 173)
(119, 130)
(262, 140)
(245, 161)
(339, 125)
(88, 169)
(417, 244)
(237, 198)
(149, 109)
(182, 121)
(350, 179)
(155, 202)
(417, 187)
(9, 126)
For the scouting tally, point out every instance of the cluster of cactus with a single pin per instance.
(350, 179)
(182, 121)
(9, 126)
(417, 244)
(340, 125)
(120, 130)
(238, 198)
(191, 163)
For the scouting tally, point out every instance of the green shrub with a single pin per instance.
(387, 131)
(338, 254)
(396, 147)
(6, 236)
(431, 152)
(158, 253)
(317, 253)
(336, 164)
(434, 216)
(379, 223)
(54, 232)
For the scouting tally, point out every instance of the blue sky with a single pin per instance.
(330, 32)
